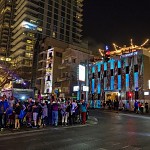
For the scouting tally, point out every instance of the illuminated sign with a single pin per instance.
(85, 88)
(76, 88)
(49, 71)
(81, 73)
(146, 93)
(28, 25)
(129, 55)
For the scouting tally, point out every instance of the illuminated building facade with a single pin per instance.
(35, 20)
(124, 78)
(58, 66)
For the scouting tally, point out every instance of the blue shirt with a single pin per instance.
(83, 107)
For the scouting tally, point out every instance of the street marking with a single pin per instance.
(116, 144)
(125, 147)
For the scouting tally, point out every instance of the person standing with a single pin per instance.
(17, 113)
(35, 111)
(73, 110)
(55, 113)
(1, 113)
(83, 111)
(146, 107)
(64, 113)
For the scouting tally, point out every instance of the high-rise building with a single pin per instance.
(36, 19)
(6, 21)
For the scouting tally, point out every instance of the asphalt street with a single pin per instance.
(104, 131)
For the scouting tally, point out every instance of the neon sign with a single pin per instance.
(129, 55)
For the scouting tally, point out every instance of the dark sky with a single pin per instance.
(116, 21)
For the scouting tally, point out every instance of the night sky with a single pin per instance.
(116, 21)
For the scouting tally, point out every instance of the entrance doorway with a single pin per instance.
(112, 100)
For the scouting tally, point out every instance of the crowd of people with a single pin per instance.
(36, 113)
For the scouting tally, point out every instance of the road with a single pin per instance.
(110, 131)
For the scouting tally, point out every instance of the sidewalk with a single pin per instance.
(10, 131)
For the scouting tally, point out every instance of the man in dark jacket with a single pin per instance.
(1, 113)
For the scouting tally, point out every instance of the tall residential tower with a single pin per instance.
(37, 19)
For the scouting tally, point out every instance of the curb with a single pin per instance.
(91, 121)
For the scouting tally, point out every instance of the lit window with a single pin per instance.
(29, 48)
(54, 34)
(39, 29)
(29, 41)
(29, 55)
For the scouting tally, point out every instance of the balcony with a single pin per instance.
(18, 52)
(18, 39)
(20, 3)
(22, 30)
(19, 45)
(33, 3)
(64, 65)
(61, 79)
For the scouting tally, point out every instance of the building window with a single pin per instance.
(105, 73)
(50, 65)
(112, 72)
(48, 78)
(127, 70)
(54, 35)
(74, 60)
(50, 55)
(119, 71)
(135, 68)
(58, 54)
(29, 48)
(61, 36)
(98, 74)
(39, 29)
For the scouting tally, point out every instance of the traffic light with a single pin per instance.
(129, 95)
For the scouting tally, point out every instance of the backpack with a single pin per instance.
(21, 115)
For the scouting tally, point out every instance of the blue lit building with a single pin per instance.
(124, 78)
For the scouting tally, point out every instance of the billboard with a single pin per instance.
(81, 73)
